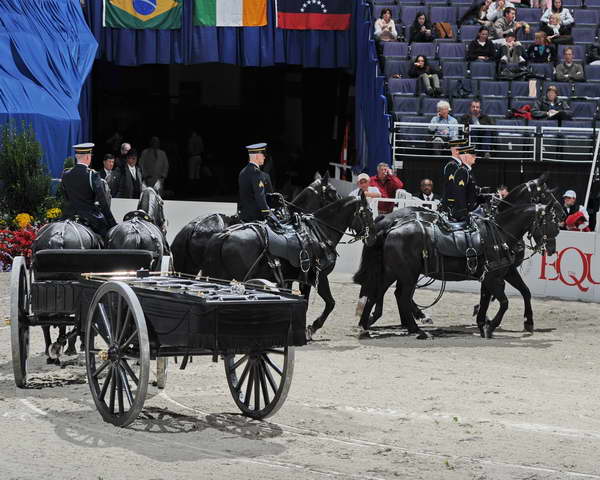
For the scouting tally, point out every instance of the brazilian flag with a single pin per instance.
(141, 14)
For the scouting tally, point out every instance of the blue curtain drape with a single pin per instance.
(249, 47)
(46, 53)
(372, 120)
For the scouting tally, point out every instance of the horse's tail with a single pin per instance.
(370, 272)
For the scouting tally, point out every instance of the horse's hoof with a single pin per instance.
(50, 361)
(71, 351)
(481, 328)
(309, 333)
(488, 330)
(528, 327)
(427, 320)
(421, 335)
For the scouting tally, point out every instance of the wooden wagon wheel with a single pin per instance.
(116, 335)
(19, 321)
(259, 381)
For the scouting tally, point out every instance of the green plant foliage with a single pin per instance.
(26, 182)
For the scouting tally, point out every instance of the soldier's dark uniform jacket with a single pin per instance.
(253, 203)
(465, 193)
(85, 196)
(448, 186)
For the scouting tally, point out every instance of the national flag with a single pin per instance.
(230, 13)
(141, 14)
(314, 14)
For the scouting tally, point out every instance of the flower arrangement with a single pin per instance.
(14, 243)
(53, 213)
(23, 220)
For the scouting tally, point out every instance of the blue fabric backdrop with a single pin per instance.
(46, 53)
(250, 46)
(372, 120)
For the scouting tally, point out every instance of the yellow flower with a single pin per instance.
(53, 213)
(23, 220)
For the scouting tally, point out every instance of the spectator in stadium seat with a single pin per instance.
(593, 56)
(385, 29)
(540, 51)
(512, 59)
(426, 191)
(551, 107)
(481, 48)
(387, 183)
(568, 70)
(577, 216)
(565, 17)
(477, 14)
(502, 191)
(363, 182)
(496, 8)
(475, 117)
(421, 29)
(557, 34)
(443, 126)
(427, 75)
(506, 24)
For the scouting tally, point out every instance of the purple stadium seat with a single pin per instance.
(402, 86)
(394, 8)
(585, 17)
(454, 69)
(384, 2)
(395, 49)
(587, 89)
(462, 2)
(451, 85)
(583, 35)
(468, 32)
(543, 123)
(529, 15)
(408, 13)
(584, 110)
(592, 73)
(393, 66)
(406, 105)
(429, 106)
(511, 122)
(572, 3)
(494, 106)
(592, 3)
(483, 70)
(495, 89)
(565, 89)
(451, 51)
(544, 69)
(520, 89)
(442, 14)
(519, 102)
(462, 10)
(414, 119)
(460, 106)
(577, 124)
(426, 49)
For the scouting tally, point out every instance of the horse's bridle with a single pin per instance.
(361, 212)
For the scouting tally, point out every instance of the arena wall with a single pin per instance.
(572, 274)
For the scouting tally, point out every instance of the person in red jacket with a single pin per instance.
(387, 183)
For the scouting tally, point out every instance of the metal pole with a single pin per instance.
(592, 170)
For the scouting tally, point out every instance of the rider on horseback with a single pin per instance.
(84, 194)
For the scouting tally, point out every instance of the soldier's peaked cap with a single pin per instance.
(257, 148)
(467, 149)
(83, 148)
(457, 143)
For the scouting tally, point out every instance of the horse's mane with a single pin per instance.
(305, 191)
(335, 207)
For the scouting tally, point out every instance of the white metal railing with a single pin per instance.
(568, 145)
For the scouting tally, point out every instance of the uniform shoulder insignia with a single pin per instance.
(461, 183)
(451, 177)
(261, 184)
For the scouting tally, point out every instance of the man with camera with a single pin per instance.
(387, 183)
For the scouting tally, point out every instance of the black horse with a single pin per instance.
(405, 252)
(190, 243)
(241, 252)
(143, 228)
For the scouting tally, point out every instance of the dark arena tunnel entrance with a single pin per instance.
(300, 112)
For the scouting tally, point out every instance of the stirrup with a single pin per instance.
(472, 263)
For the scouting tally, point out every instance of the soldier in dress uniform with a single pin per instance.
(253, 186)
(447, 203)
(84, 193)
(465, 186)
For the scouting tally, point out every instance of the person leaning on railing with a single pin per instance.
(551, 107)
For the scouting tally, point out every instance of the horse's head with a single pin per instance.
(151, 203)
(318, 194)
(545, 227)
(362, 223)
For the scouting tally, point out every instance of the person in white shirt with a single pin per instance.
(363, 181)
(577, 217)
(566, 18)
(154, 165)
(496, 8)
(385, 29)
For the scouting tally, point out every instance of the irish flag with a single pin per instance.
(230, 13)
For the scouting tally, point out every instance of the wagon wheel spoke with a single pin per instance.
(118, 321)
(105, 322)
(272, 365)
(119, 390)
(269, 376)
(106, 384)
(249, 386)
(128, 317)
(97, 330)
(239, 362)
(126, 386)
(98, 371)
(263, 382)
(129, 371)
(240, 383)
(275, 351)
(129, 340)
(113, 388)
(257, 385)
